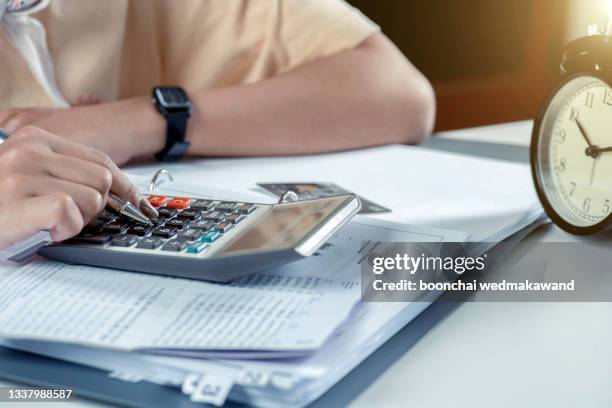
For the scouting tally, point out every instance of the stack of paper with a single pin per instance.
(279, 338)
(486, 198)
(296, 312)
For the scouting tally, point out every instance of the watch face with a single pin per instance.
(572, 154)
(172, 98)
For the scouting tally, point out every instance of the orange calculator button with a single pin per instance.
(179, 202)
(157, 200)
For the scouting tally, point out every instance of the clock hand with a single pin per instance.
(591, 151)
(593, 172)
(604, 149)
(583, 132)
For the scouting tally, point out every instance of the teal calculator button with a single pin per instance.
(197, 248)
(210, 236)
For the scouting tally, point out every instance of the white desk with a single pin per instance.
(504, 354)
(489, 354)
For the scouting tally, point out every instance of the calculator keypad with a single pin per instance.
(190, 235)
(174, 246)
(184, 225)
(167, 212)
(140, 230)
(202, 205)
(115, 227)
(179, 202)
(150, 243)
(177, 223)
(124, 240)
(224, 226)
(201, 225)
(214, 216)
(158, 200)
(164, 232)
(190, 214)
(92, 238)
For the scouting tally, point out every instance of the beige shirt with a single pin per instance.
(113, 49)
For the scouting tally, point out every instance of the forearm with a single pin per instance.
(349, 100)
(356, 98)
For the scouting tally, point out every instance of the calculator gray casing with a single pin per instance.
(223, 268)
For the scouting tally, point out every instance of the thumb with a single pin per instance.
(57, 214)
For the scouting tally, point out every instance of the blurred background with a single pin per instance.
(490, 61)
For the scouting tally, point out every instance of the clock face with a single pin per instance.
(574, 152)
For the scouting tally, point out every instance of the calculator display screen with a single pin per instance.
(285, 225)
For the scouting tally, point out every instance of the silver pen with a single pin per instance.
(128, 209)
(4, 135)
(114, 201)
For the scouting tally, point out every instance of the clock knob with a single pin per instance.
(592, 53)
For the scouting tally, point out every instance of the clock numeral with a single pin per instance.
(608, 97)
(560, 134)
(607, 207)
(562, 166)
(574, 114)
(586, 205)
(572, 189)
(588, 102)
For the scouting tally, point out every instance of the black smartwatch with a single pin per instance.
(174, 104)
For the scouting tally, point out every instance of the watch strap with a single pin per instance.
(176, 131)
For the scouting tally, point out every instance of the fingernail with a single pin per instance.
(147, 208)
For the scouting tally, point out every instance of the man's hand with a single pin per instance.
(50, 183)
(14, 119)
(123, 130)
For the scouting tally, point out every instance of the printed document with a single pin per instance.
(294, 307)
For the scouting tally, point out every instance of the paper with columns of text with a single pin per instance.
(293, 308)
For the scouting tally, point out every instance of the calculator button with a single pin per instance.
(190, 235)
(201, 225)
(115, 227)
(167, 212)
(179, 202)
(177, 223)
(235, 218)
(124, 240)
(106, 216)
(175, 246)
(164, 232)
(197, 248)
(158, 221)
(202, 205)
(224, 226)
(226, 207)
(246, 208)
(214, 216)
(211, 236)
(190, 214)
(157, 200)
(150, 243)
(94, 239)
(93, 225)
(140, 230)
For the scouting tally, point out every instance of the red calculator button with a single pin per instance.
(179, 202)
(157, 200)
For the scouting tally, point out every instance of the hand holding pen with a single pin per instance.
(54, 184)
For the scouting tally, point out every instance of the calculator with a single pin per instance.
(206, 239)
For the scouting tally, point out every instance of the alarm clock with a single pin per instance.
(571, 144)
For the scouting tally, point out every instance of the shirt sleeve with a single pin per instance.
(300, 31)
(218, 43)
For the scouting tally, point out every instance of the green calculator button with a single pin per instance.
(210, 236)
(197, 248)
